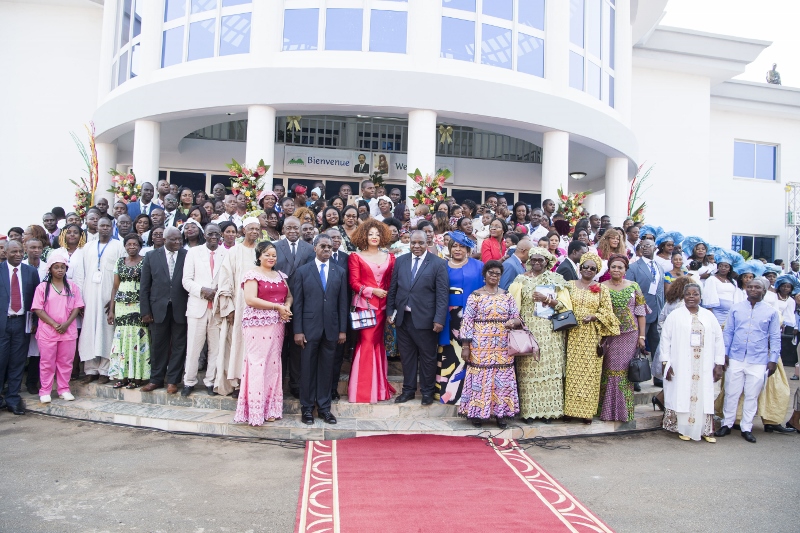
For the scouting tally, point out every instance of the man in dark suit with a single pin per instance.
(650, 277)
(172, 215)
(17, 285)
(362, 167)
(342, 259)
(569, 267)
(163, 306)
(319, 320)
(293, 252)
(145, 204)
(417, 304)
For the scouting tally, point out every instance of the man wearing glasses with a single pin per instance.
(650, 277)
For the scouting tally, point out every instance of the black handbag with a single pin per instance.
(639, 368)
(563, 321)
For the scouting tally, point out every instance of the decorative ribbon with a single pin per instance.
(293, 123)
(445, 135)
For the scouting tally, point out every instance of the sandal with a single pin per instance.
(132, 384)
(119, 384)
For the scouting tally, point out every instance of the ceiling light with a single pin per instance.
(577, 175)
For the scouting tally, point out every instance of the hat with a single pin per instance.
(59, 255)
(250, 220)
(690, 242)
(752, 266)
(317, 191)
(668, 236)
(647, 229)
(461, 238)
(791, 280)
(772, 267)
(192, 221)
(299, 189)
(264, 193)
(384, 197)
(550, 259)
(722, 255)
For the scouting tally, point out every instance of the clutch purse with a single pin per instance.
(564, 321)
(365, 318)
(522, 343)
(639, 368)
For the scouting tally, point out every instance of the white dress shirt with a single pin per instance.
(327, 268)
(655, 265)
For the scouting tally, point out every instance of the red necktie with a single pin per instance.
(16, 297)
(212, 270)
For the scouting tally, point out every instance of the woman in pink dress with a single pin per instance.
(370, 276)
(268, 307)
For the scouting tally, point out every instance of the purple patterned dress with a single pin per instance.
(490, 385)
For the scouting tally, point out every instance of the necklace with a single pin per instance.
(56, 288)
(491, 293)
(459, 265)
(781, 298)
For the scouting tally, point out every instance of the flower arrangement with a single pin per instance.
(85, 189)
(124, 187)
(430, 188)
(571, 206)
(636, 212)
(247, 181)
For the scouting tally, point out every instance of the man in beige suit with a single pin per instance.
(200, 273)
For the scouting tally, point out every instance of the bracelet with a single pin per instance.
(642, 337)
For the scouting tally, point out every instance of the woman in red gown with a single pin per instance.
(370, 276)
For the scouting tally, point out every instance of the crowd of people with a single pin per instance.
(149, 293)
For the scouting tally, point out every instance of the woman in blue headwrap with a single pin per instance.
(666, 244)
(720, 292)
(466, 276)
(697, 250)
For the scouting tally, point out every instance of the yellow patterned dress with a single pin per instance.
(584, 367)
(541, 383)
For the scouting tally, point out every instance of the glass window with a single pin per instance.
(594, 9)
(123, 69)
(576, 71)
(496, 46)
(172, 48)
(300, 27)
(503, 9)
(135, 61)
(611, 91)
(466, 5)
(343, 29)
(531, 13)
(198, 6)
(228, 3)
(201, 39)
(388, 30)
(530, 55)
(125, 26)
(235, 35)
(576, 22)
(174, 9)
(756, 247)
(612, 35)
(765, 162)
(744, 159)
(593, 80)
(137, 18)
(458, 39)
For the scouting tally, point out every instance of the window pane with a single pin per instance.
(530, 55)
(593, 81)
(137, 17)
(343, 29)
(172, 49)
(458, 39)
(496, 46)
(113, 74)
(300, 27)
(576, 22)
(123, 69)
(135, 60)
(765, 162)
(747, 244)
(125, 23)
(611, 101)
(531, 13)
(593, 20)
(228, 3)
(198, 6)
(503, 9)
(744, 159)
(201, 39)
(235, 35)
(576, 71)
(764, 247)
(466, 5)
(174, 9)
(612, 35)
(388, 31)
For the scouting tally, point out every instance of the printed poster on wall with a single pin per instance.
(318, 161)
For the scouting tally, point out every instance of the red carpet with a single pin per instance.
(416, 483)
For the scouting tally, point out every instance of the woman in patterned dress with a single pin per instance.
(490, 386)
(130, 350)
(594, 312)
(692, 353)
(616, 392)
(541, 383)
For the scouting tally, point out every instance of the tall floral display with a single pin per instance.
(124, 187)
(636, 211)
(247, 181)
(571, 205)
(430, 189)
(85, 187)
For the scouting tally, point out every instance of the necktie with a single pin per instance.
(653, 270)
(322, 276)
(293, 248)
(171, 263)
(335, 257)
(414, 270)
(16, 297)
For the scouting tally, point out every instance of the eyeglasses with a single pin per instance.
(590, 269)
(494, 274)
(537, 260)
(325, 246)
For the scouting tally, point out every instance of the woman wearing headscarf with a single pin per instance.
(465, 278)
(720, 292)
(539, 293)
(697, 250)
(591, 303)
(650, 232)
(385, 208)
(666, 244)
(192, 234)
(752, 268)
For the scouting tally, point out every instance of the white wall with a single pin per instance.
(49, 56)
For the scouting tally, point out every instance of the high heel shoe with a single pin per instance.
(657, 402)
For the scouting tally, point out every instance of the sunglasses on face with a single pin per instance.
(537, 260)
(589, 268)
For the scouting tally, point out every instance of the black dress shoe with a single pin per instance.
(502, 424)
(427, 400)
(657, 382)
(769, 428)
(33, 390)
(335, 395)
(16, 409)
(637, 387)
(748, 436)
(403, 398)
(187, 390)
(721, 432)
(210, 390)
(307, 417)
(328, 417)
(295, 393)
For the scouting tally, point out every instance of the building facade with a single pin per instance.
(519, 97)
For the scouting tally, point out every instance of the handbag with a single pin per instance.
(564, 321)
(522, 343)
(365, 318)
(639, 368)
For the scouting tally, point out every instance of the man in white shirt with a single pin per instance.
(368, 195)
(230, 213)
(537, 231)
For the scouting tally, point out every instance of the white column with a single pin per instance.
(623, 61)
(261, 138)
(421, 144)
(555, 164)
(425, 16)
(106, 160)
(556, 47)
(617, 189)
(107, 49)
(146, 150)
(150, 51)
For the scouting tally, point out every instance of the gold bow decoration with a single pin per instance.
(445, 135)
(293, 123)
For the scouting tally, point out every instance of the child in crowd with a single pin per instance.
(402, 246)
(419, 214)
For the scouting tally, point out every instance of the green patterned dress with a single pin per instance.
(130, 351)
